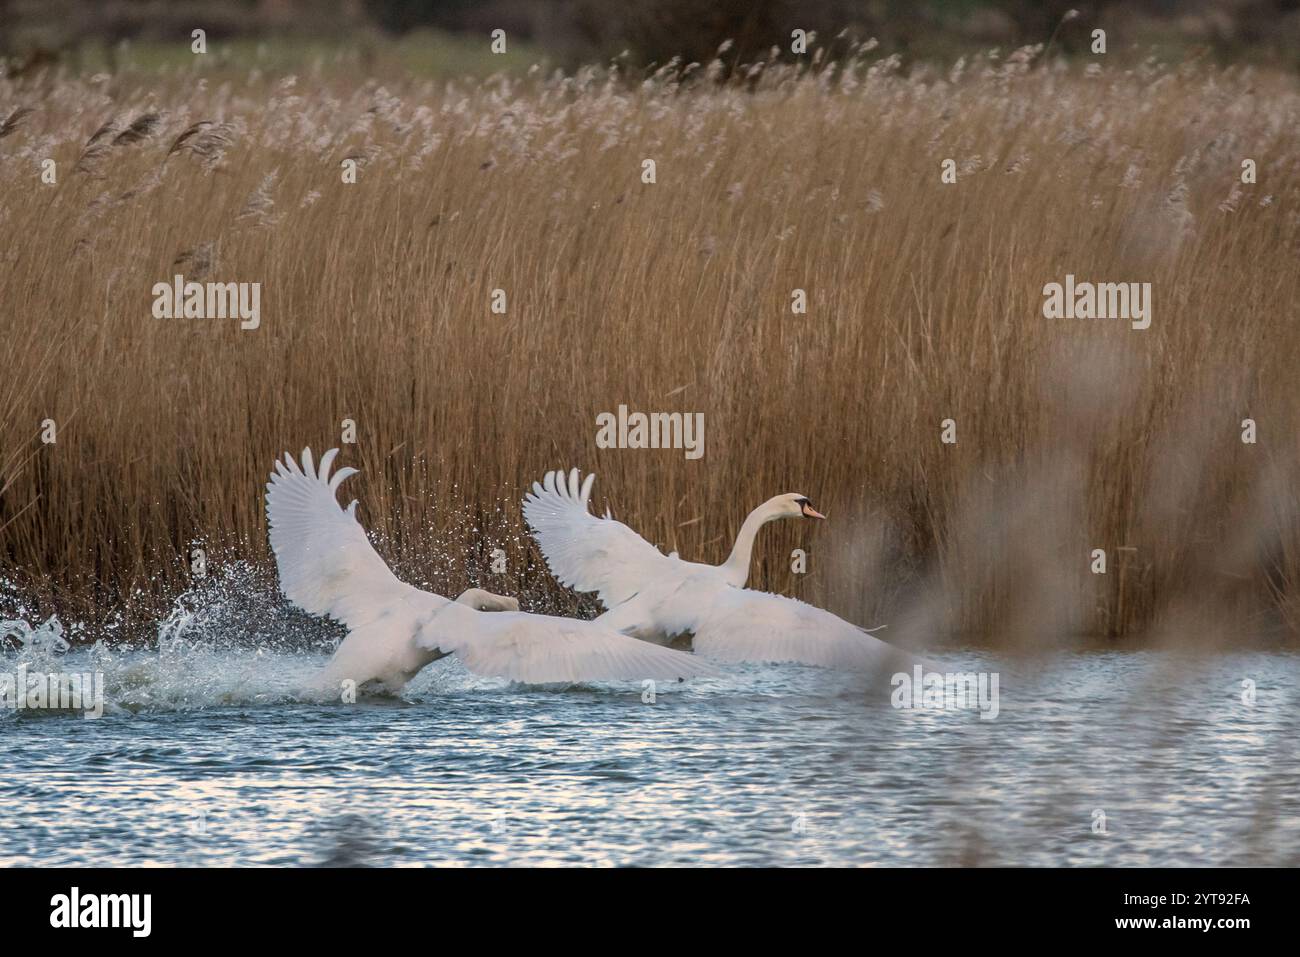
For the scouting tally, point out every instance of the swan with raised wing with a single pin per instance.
(328, 567)
(659, 597)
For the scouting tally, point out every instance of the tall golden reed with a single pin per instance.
(925, 304)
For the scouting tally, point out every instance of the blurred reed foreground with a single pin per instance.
(925, 303)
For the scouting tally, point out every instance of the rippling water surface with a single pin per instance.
(206, 757)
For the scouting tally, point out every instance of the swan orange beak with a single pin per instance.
(810, 512)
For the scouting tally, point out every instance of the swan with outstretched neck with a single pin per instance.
(659, 598)
(791, 505)
(328, 567)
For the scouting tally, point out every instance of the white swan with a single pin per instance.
(658, 597)
(328, 567)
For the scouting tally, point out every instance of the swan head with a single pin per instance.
(794, 505)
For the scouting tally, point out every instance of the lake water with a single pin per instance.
(205, 756)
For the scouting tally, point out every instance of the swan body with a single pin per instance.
(328, 567)
(657, 597)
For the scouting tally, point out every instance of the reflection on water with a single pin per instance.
(206, 757)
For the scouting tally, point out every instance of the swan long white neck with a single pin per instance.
(736, 567)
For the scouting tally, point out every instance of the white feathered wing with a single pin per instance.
(540, 649)
(745, 625)
(587, 553)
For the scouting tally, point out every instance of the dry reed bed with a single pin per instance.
(925, 304)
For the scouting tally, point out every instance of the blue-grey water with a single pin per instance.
(205, 755)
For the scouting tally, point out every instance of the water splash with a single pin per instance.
(33, 645)
(232, 641)
(229, 640)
